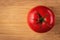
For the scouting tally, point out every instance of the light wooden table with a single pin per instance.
(13, 20)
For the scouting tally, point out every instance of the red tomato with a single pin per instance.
(41, 19)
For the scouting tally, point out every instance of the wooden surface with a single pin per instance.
(13, 20)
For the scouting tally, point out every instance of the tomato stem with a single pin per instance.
(41, 20)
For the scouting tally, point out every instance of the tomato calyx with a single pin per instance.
(40, 19)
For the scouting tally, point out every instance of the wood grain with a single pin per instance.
(13, 20)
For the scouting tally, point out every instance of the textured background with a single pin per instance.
(13, 20)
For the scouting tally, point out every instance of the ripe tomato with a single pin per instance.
(41, 19)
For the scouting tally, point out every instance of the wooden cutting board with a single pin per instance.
(13, 20)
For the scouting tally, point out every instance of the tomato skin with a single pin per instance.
(47, 15)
